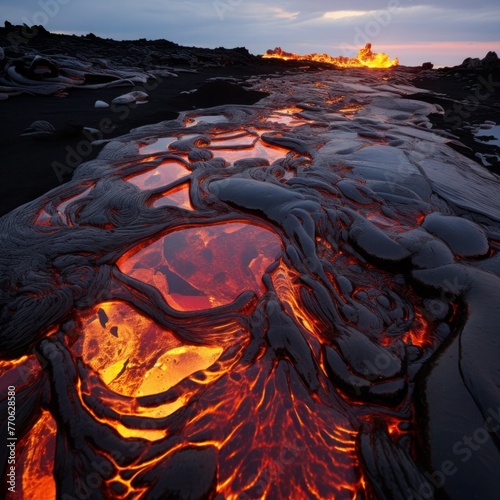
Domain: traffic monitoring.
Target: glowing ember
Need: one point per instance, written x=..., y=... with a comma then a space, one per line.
x=365, y=58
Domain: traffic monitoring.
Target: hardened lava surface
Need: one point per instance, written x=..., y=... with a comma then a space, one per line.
x=295, y=299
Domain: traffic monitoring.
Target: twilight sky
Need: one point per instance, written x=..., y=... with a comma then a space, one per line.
x=444, y=31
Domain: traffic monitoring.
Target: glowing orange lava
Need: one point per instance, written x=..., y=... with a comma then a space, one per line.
x=224, y=332
x=365, y=58
x=418, y=335
x=259, y=418
x=37, y=460
x=186, y=267
x=166, y=173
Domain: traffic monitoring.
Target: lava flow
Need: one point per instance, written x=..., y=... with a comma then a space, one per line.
x=243, y=308
x=364, y=59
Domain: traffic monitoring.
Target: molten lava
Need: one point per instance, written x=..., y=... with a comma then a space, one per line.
x=365, y=58
x=242, y=311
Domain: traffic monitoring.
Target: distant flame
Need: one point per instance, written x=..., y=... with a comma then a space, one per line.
x=365, y=58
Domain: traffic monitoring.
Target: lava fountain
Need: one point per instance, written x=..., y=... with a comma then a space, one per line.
x=249, y=302
x=364, y=59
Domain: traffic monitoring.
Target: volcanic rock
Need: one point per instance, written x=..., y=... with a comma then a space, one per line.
x=101, y=104
x=135, y=96
x=39, y=128
x=491, y=61
x=488, y=63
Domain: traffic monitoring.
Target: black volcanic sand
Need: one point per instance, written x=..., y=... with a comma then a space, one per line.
x=26, y=162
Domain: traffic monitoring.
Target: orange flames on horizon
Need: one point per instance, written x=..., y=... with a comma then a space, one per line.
x=365, y=58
